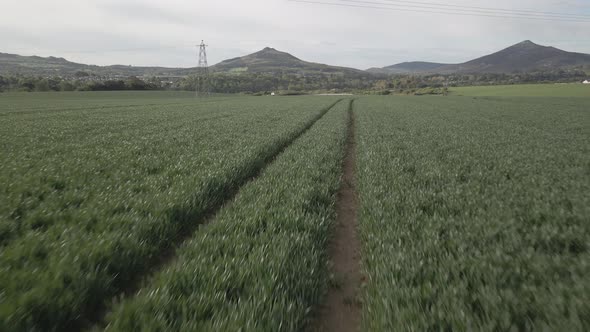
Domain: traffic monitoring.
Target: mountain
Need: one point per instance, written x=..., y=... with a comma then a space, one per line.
x=52, y=66
x=13, y=63
x=267, y=60
x=270, y=60
x=522, y=57
x=526, y=56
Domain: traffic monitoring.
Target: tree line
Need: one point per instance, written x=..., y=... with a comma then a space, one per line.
x=259, y=83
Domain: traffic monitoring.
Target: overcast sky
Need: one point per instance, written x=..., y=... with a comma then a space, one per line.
x=163, y=33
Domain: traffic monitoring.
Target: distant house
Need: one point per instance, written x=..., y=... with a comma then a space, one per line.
x=586, y=82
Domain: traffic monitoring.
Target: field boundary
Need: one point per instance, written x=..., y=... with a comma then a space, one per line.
x=97, y=318
x=340, y=311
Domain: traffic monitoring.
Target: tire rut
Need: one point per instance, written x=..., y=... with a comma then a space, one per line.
x=341, y=309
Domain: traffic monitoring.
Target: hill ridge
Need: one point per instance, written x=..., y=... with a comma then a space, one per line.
x=270, y=60
x=525, y=56
x=266, y=60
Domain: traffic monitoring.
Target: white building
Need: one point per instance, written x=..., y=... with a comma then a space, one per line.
x=586, y=82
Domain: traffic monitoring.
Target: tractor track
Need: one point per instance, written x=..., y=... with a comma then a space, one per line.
x=341, y=309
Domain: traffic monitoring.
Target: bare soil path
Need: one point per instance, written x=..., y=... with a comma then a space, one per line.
x=341, y=310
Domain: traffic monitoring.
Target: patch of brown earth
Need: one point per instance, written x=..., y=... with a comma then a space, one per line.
x=341, y=310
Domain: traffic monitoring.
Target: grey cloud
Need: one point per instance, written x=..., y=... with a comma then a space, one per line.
x=153, y=32
x=145, y=12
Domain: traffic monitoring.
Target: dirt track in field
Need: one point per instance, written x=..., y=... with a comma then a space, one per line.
x=341, y=310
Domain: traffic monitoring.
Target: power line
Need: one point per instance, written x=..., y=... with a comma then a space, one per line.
x=437, y=12
x=482, y=11
x=369, y=4
x=120, y=50
x=469, y=11
x=508, y=11
x=123, y=50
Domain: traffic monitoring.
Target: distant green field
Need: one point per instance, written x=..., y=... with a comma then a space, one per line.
x=525, y=90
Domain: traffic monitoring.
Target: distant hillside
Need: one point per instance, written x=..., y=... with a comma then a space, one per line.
x=525, y=56
x=267, y=60
x=408, y=67
x=17, y=64
x=522, y=57
x=52, y=66
x=270, y=60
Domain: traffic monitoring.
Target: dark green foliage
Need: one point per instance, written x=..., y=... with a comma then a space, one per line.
x=286, y=82
x=42, y=84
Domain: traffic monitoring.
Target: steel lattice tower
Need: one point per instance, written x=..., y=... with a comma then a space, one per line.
x=202, y=88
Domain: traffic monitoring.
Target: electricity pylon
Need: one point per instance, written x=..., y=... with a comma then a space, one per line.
x=202, y=88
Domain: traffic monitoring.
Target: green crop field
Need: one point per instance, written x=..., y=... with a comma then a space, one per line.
x=89, y=196
x=475, y=214
x=524, y=90
x=157, y=211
